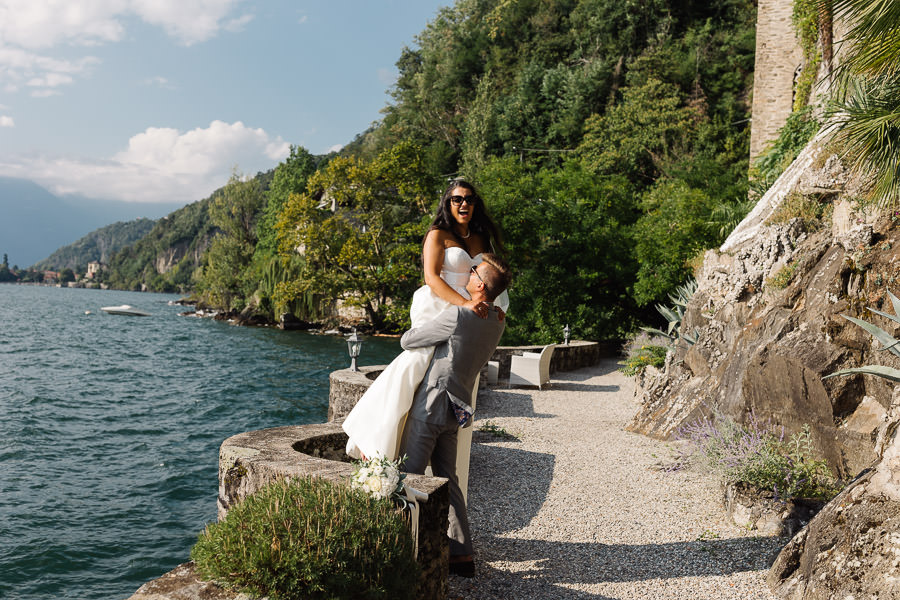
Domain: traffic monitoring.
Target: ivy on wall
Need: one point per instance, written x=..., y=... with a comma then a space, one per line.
x=805, y=21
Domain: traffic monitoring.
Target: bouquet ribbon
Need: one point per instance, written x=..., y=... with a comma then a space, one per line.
x=413, y=497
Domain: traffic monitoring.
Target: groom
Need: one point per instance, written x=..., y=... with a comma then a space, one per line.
x=464, y=343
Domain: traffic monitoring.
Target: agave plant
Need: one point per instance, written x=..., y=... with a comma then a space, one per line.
x=675, y=314
x=888, y=343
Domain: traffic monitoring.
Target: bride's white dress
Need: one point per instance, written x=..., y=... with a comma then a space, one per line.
x=376, y=422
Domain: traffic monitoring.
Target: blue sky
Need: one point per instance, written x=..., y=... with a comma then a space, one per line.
x=158, y=100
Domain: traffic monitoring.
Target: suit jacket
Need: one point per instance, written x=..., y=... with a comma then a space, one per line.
x=464, y=342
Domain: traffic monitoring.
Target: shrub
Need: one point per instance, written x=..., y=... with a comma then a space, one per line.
x=310, y=538
x=810, y=211
x=783, y=277
x=759, y=456
x=643, y=357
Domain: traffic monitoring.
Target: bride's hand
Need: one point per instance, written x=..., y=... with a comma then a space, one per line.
x=500, y=314
x=478, y=307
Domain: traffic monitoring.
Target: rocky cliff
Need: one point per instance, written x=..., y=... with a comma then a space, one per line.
x=770, y=312
x=769, y=316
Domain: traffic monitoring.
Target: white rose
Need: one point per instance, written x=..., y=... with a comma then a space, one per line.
x=374, y=484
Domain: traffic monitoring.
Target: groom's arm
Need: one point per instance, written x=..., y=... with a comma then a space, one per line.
x=434, y=332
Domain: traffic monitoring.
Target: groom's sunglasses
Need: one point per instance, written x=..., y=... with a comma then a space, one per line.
x=474, y=270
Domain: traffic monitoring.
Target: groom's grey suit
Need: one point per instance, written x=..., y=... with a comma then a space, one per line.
x=464, y=342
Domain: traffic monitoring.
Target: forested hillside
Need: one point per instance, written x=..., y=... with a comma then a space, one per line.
x=98, y=245
x=609, y=140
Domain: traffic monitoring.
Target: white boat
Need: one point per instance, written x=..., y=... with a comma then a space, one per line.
x=124, y=309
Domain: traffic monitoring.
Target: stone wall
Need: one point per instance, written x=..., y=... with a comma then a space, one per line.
x=778, y=59
x=576, y=355
x=347, y=386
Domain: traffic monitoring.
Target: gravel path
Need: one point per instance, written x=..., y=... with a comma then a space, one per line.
x=575, y=507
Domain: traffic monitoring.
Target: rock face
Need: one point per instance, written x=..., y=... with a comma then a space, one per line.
x=851, y=549
x=764, y=346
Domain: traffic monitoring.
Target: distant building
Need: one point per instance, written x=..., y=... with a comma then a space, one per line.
x=51, y=276
x=94, y=269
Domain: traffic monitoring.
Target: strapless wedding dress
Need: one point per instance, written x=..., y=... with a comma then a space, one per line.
x=376, y=422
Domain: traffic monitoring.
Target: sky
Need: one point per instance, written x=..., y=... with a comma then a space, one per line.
x=158, y=101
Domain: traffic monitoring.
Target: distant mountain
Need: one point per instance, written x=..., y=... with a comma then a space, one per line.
x=35, y=222
x=98, y=245
x=165, y=259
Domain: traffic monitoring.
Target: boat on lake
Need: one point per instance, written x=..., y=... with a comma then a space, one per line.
x=124, y=309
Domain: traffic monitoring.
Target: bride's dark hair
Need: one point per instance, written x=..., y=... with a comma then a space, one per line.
x=481, y=223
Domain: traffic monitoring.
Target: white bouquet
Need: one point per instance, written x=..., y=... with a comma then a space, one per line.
x=378, y=477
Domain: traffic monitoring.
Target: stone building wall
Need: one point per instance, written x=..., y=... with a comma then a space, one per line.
x=778, y=58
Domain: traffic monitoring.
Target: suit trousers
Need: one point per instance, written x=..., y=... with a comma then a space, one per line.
x=437, y=442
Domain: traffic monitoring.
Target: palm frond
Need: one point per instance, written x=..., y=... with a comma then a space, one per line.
x=868, y=120
x=873, y=38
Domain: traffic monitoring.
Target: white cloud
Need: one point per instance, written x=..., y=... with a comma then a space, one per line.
x=159, y=165
x=7, y=121
x=303, y=19
x=20, y=67
x=46, y=23
x=31, y=30
x=335, y=148
x=236, y=25
x=190, y=21
x=159, y=81
x=45, y=93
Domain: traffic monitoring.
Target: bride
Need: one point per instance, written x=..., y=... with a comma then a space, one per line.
x=460, y=233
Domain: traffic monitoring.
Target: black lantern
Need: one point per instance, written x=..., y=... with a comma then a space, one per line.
x=566, y=332
x=354, y=345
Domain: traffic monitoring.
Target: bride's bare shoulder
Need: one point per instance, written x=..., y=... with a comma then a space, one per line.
x=441, y=238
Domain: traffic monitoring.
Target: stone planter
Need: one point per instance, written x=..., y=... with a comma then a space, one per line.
x=248, y=461
x=761, y=510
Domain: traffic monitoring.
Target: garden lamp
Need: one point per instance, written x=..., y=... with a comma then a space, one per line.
x=566, y=332
x=354, y=345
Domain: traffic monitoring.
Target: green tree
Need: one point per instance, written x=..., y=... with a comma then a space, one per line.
x=358, y=228
x=675, y=226
x=290, y=177
x=566, y=233
x=234, y=213
x=5, y=273
x=66, y=275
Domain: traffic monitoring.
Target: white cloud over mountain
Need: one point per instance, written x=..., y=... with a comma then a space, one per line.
x=159, y=164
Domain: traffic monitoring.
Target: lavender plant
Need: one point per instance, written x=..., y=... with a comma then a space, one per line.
x=758, y=455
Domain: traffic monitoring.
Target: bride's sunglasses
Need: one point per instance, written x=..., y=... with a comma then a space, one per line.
x=458, y=200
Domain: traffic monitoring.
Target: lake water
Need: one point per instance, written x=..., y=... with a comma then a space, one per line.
x=110, y=428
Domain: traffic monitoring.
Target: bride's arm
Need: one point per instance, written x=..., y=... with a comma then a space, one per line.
x=433, y=262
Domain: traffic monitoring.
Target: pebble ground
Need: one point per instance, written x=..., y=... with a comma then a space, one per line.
x=573, y=506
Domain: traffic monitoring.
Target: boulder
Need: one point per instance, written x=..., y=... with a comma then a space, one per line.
x=763, y=511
